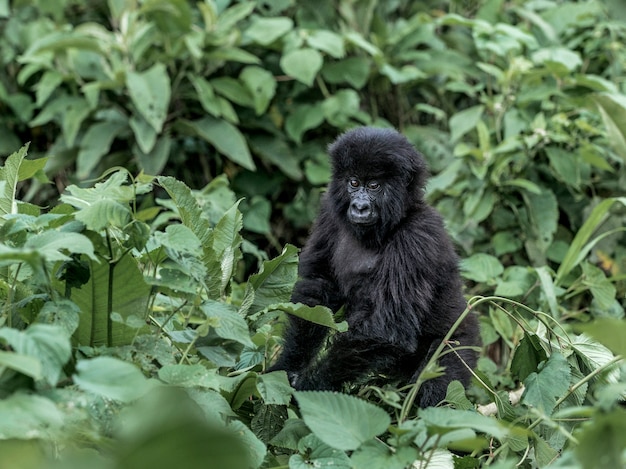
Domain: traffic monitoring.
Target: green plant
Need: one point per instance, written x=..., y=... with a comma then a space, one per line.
x=116, y=302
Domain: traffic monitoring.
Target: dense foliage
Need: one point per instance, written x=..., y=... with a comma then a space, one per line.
x=139, y=312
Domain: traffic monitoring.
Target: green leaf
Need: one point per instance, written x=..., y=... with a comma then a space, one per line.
x=261, y=85
x=264, y=31
x=95, y=144
x=612, y=107
x=528, y=355
x=481, y=267
x=577, y=250
x=326, y=41
x=544, y=216
x=611, y=332
x=274, y=388
x=464, y=121
x=9, y=177
x=28, y=416
x=111, y=378
x=191, y=215
x=144, y=133
x=592, y=355
x=275, y=280
x=303, y=118
x=544, y=387
x=25, y=364
x=226, y=138
x=316, y=314
x=117, y=287
x=276, y=151
x=225, y=241
x=318, y=455
x=405, y=74
x=47, y=343
x=150, y=92
x=50, y=244
x=352, y=70
x=189, y=376
x=341, y=421
x=375, y=453
x=302, y=64
x=602, y=289
x=442, y=420
x=601, y=440
x=229, y=324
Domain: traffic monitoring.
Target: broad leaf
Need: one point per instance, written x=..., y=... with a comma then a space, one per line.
x=119, y=288
x=27, y=416
x=317, y=314
x=274, y=388
x=111, y=378
x=49, y=344
x=9, y=177
x=226, y=138
x=612, y=107
x=302, y=64
x=544, y=387
x=341, y=421
x=275, y=280
x=261, y=85
x=318, y=454
x=150, y=92
x=264, y=31
x=227, y=323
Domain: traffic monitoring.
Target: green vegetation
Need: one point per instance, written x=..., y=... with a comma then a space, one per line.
x=139, y=311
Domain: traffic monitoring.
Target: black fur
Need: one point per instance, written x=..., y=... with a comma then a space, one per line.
x=396, y=273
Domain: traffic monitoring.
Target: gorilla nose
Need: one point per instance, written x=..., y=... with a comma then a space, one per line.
x=360, y=207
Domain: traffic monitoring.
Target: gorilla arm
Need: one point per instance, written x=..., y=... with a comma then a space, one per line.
x=316, y=286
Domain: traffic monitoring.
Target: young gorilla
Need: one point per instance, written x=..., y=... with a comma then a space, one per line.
x=381, y=251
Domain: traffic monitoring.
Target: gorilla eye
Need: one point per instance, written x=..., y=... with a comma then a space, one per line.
x=373, y=185
x=354, y=182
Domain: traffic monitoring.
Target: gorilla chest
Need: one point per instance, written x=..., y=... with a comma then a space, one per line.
x=352, y=263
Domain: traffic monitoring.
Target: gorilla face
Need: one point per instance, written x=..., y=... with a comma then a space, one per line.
x=364, y=201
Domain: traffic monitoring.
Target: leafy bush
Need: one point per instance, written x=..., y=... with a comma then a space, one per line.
x=111, y=311
x=139, y=293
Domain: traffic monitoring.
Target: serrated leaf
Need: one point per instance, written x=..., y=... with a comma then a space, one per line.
x=302, y=64
x=111, y=378
x=593, y=355
x=47, y=343
x=150, y=92
x=274, y=388
x=442, y=420
x=318, y=455
x=275, y=280
x=375, y=453
x=544, y=387
x=528, y=355
x=229, y=324
x=341, y=421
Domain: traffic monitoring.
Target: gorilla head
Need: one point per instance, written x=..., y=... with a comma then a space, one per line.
x=377, y=177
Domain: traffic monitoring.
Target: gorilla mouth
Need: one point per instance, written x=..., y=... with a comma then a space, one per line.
x=362, y=220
